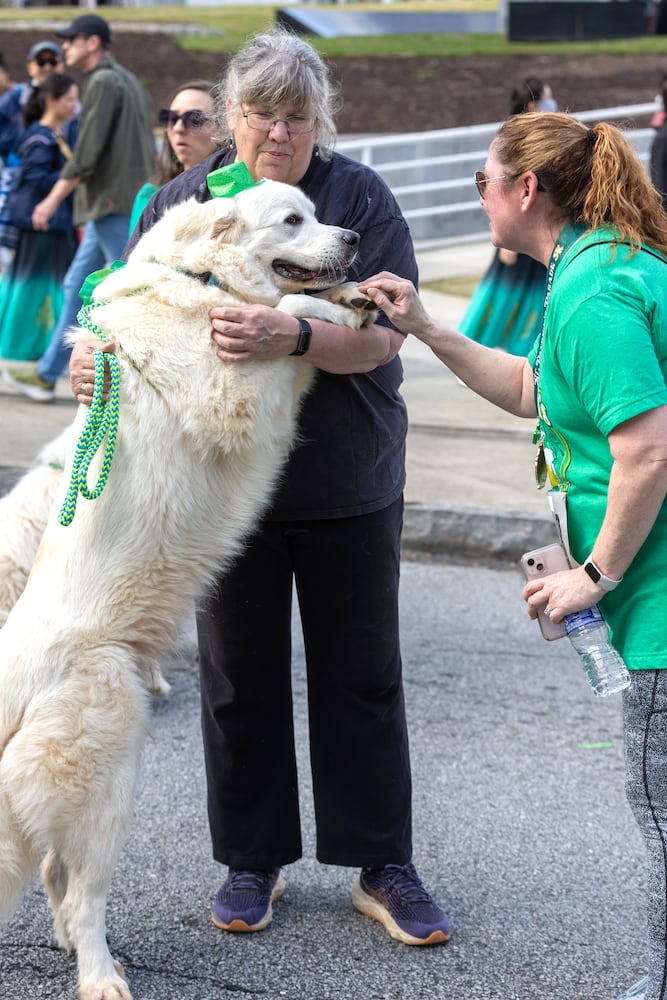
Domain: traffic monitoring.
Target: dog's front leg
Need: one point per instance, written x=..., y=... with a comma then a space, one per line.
x=336, y=305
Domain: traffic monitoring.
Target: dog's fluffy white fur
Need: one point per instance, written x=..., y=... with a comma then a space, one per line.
x=200, y=444
x=23, y=515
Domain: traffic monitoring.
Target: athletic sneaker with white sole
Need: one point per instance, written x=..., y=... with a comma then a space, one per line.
x=395, y=896
x=243, y=902
x=30, y=384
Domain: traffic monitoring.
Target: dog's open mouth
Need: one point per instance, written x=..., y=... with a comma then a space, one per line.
x=332, y=275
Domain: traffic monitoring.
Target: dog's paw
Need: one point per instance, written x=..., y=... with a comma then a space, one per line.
x=348, y=298
x=348, y=295
x=106, y=989
x=343, y=304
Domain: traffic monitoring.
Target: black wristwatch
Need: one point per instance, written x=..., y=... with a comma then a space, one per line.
x=305, y=333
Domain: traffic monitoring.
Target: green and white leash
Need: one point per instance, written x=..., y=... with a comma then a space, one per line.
x=101, y=422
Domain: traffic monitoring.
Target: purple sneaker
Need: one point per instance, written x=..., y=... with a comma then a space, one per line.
x=395, y=896
x=243, y=902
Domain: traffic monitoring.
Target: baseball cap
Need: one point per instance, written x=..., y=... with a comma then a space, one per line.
x=45, y=47
x=88, y=24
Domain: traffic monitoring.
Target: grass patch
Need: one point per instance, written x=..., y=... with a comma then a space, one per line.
x=462, y=285
x=232, y=26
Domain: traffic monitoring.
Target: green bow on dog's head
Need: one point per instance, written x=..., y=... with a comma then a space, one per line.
x=230, y=180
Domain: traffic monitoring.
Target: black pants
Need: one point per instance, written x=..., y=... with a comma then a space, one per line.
x=346, y=573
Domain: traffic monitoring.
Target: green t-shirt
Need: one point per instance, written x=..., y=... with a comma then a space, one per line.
x=141, y=199
x=603, y=361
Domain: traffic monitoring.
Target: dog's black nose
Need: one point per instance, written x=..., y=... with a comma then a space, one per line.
x=350, y=237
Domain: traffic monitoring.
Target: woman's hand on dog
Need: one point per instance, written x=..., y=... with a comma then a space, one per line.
x=251, y=333
x=82, y=369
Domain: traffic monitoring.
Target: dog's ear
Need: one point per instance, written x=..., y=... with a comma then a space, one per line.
x=191, y=220
x=226, y=224
x=185, y=226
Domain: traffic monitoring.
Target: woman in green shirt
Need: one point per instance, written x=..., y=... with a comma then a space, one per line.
x=579, y=200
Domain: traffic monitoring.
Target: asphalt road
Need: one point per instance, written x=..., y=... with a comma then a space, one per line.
x=521, y=831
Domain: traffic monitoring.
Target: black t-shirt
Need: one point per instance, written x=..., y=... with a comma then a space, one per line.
x=350, y=455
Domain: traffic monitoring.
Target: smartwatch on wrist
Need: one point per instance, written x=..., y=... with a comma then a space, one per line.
x=598, y=577
x=305, y=333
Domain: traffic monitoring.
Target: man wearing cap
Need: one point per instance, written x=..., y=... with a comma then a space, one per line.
x=43, y=58
x=113, y=157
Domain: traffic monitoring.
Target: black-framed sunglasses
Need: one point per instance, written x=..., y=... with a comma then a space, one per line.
x=190, y=119
x=43, y=61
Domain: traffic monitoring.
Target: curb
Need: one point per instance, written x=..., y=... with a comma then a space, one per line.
x=474, y=533
x=464, y=533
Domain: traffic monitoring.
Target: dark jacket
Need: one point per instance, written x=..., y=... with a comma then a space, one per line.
x=42, y=160
x=12, y=129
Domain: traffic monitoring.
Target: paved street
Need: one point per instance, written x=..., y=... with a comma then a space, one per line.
x=521, y=830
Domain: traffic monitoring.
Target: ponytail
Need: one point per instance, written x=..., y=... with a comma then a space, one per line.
x=592, y=175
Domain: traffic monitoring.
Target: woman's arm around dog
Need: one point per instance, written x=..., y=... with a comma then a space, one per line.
x=253, y=333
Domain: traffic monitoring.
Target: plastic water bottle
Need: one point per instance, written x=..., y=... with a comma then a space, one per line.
x=604, y=667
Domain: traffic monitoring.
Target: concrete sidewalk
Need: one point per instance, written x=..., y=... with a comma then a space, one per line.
x=470, y=485
x=470, y=490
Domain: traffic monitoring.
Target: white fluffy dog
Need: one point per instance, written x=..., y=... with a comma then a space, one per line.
x=200, y=444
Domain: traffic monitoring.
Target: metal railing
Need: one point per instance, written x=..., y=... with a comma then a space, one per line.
x=431, y=173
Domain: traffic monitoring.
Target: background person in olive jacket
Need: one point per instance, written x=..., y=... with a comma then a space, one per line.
x=114, y=155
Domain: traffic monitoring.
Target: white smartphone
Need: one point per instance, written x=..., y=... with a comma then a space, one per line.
x=537, y=564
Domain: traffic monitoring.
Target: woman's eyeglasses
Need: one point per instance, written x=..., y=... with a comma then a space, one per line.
x=190, y=119
x=264, y=121
x=481, y=180
x=47, y=61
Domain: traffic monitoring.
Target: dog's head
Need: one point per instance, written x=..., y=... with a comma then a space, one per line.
x=263, y=243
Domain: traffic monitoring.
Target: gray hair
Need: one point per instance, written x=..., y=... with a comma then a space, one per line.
x=278, y=66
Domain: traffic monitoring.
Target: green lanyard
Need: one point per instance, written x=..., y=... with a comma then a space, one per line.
x=569, y=235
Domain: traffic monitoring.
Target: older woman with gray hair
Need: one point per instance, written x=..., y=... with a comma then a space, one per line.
x=333, y=529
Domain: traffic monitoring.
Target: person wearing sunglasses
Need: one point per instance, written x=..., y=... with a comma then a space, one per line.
x=579, y=199
x=43, y=58
x=505, y=309
x=189, y=137
x=113, y=156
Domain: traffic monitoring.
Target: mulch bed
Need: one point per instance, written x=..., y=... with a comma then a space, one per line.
x=403, y=94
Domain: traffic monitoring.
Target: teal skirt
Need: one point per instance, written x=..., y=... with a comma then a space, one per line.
x=505, y=310
x=31, y=293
